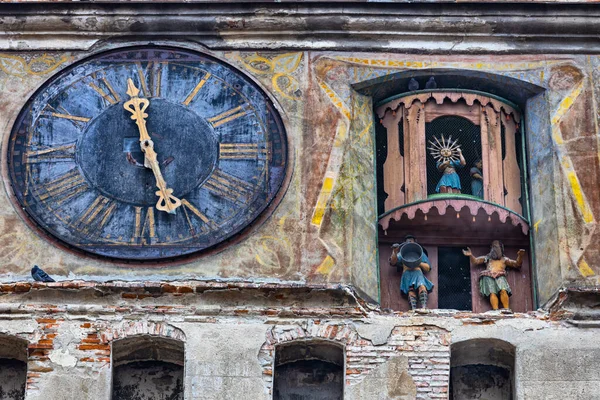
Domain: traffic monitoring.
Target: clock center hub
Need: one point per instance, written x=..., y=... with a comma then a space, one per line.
x=110, y=155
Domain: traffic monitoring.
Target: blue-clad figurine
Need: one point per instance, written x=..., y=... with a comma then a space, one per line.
x=39, y=275
x=450, y=181
x=477, y=179
x=413, y=280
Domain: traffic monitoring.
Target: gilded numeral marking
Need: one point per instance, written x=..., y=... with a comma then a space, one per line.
x=63, y=188
x=150, y=78
x=195, y=91
x=145, y=226
x=111, y=96
x=187, y=206
x=229, y=187
x=96, y=216
x=227, y=116
x=242, y=151
x=55, y=154
x=78, y=121
x=142, y=76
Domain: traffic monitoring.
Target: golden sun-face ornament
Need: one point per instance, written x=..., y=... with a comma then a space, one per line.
x=444, y=150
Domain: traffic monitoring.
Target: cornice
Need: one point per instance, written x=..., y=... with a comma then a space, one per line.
x=423, y=28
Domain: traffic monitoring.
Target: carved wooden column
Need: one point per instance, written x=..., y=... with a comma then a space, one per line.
x=393, y=168
x=415, y=152
x=491, y=152
x=512, y=173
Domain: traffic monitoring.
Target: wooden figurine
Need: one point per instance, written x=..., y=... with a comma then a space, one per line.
x=477, y=179
x=492, y=281
x=448, y=157
x=413, y=280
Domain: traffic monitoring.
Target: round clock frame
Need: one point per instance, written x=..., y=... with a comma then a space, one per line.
x=95, y=170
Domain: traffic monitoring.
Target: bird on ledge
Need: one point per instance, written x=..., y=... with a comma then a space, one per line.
x=39, y=275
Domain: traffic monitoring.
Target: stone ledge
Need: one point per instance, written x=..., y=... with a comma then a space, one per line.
x=465, y=28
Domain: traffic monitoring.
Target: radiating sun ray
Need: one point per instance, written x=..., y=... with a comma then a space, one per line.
x=444, y=149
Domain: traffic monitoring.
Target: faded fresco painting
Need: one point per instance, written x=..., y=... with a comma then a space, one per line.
x=325, y=226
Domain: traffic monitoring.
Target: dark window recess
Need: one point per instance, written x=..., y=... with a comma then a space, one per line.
x=13, y=374
x=147, y=367
x=454, y=279
x=148, y=380
x=469, y=138
x=381, y=155
x=308, y=371
x=480, y=382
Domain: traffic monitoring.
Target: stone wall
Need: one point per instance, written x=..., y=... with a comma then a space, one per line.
x=229, y=349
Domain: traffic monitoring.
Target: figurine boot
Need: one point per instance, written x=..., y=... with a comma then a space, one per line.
x=423, y=299
x=412, y=299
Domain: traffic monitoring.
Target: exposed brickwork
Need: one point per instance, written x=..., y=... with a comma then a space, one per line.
x=38, y=351
x=427, y=348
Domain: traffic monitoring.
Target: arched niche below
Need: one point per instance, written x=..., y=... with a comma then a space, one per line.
x=308, y=370
x=482, y=368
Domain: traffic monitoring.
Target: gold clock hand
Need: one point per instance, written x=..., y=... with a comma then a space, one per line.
x=136, y=106
x=166, y=201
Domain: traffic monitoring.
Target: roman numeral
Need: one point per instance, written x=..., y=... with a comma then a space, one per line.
x=195, y=91
x=96, y=216
x=242, y=151
x=229, y=187
x=63, y=188
x=227, y=116
x=150, y=78
x=78, y=121
x=104, y=89
x=189, y=210
x=51, y=154
x=144, y=230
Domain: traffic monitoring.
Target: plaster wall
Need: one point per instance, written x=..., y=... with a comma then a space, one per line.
x=391, y=356
x=325, y=224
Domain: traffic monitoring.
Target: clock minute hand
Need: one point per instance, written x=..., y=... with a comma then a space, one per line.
x=137, y=107
x=166, y=201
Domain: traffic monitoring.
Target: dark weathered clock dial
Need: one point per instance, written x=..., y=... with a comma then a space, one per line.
x=77, y=169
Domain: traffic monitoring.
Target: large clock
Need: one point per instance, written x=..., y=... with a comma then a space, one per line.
x=147, y=153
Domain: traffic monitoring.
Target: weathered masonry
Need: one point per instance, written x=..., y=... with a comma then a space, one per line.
x=299, y=200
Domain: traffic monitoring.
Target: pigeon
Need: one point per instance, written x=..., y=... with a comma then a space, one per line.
x=39, y=275
x=413, y=85
x=431, y=84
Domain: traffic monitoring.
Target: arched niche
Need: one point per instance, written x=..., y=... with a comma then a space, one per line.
x=407, y=121
x=308, y=370
x=13, y=367
x=148, y=367
x=482, y=368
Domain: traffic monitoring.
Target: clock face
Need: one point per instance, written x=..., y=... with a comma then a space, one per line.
x=81, y=167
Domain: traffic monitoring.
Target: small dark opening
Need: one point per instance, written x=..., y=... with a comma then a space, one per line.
x=147, y=367
x=309, y=371
x=148, y=380
x=13, y=375
x=454, y=279
x=468, y=136
x=480, y=382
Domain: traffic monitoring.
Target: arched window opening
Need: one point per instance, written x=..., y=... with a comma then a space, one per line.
x=13, y=368
x=308, y=371
x=482, y=368
x=451, y=180
x=147, y=367
x=464, y=133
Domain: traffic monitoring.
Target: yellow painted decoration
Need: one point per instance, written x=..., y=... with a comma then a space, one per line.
x=319, y=212
x=280, y=69
x=585, y=269
x=336, y=100
x=579, y=197
x=536, y=225
x=326, y=266
x=37, y=66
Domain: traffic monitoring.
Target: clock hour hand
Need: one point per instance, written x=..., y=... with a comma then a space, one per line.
x=137, y=107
